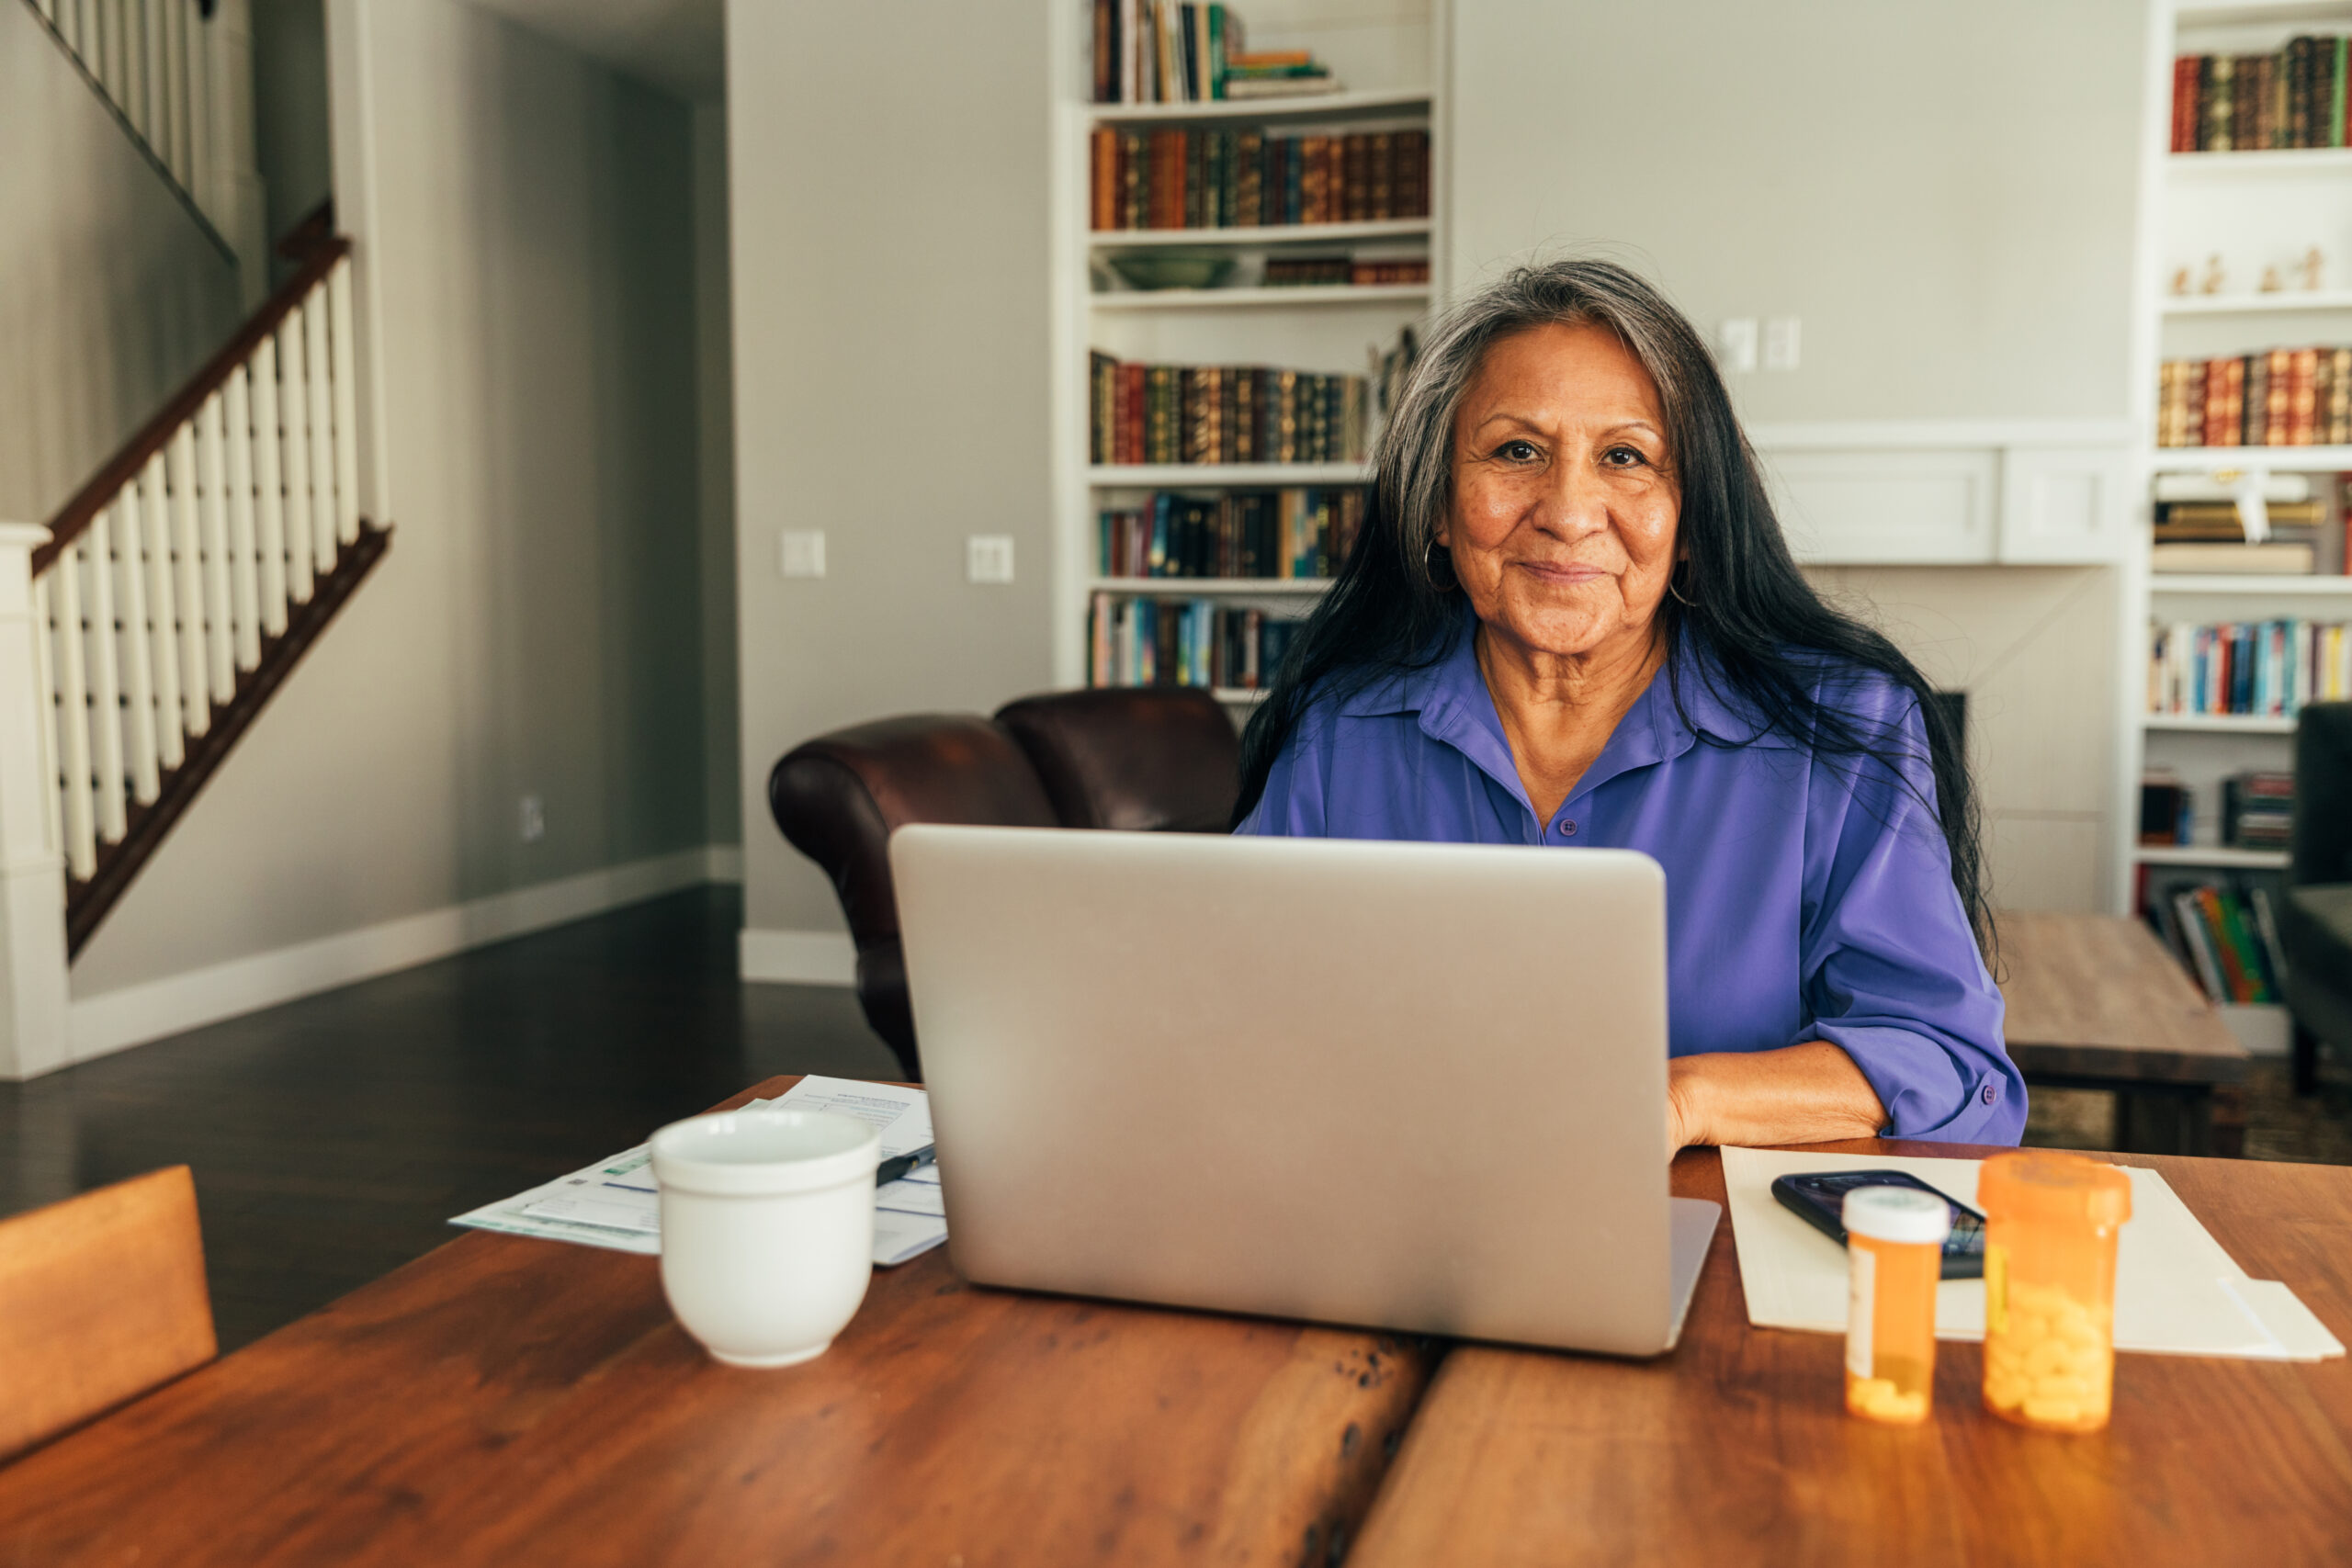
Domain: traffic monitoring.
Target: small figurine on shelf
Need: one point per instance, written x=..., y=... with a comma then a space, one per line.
x=2270, y=283
x=2180, y=284
x=2212, y=282
x=2314, y=265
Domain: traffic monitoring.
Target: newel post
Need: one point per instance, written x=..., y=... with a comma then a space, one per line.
x=32, y=870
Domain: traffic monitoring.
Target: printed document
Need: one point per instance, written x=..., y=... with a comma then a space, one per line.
x=614, y=1203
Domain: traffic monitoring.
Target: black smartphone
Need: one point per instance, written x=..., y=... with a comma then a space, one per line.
x=1819, y=1199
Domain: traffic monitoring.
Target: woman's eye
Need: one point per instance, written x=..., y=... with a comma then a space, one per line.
x=1518, y=451
x=1623, y=457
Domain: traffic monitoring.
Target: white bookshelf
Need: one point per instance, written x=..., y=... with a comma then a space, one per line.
x=2253, y=211
x=1327, y=329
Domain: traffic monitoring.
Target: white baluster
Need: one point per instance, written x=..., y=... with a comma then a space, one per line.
x=293, y=404
x=112, y=60
x=346, y=404
x=175, y=40
x=106, y=680
x=219, y=631
x=45, y=678
x=85, y=37
x=321, y=421
x=49, y=12
x=32, y=893
x=155, y=556
x=188, y=588
x=135, y=650
x=245, y=591
x=198, y=84
x=153, y=68
x=74, y=710
x=269, y=496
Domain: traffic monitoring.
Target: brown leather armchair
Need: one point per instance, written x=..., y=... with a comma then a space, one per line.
x=1144, y=759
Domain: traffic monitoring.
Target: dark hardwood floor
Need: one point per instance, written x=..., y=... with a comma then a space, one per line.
x=332, y=1138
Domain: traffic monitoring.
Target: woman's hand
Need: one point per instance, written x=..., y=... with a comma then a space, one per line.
x=1801, y=1094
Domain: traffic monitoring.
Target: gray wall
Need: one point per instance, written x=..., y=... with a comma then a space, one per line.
x=715, y=414
x=111, y=292
x=890, y=235
x=1944, y=193
x=528, y=247
x=292, y=145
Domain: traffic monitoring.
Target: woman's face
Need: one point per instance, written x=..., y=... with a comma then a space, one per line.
x=1562, y=529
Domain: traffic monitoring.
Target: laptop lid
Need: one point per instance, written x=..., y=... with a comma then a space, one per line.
x=1418, y=1087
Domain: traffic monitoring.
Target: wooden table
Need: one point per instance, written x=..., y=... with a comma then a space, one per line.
x=2096, y=1002
x=1736, y=1449
x=508, y=1401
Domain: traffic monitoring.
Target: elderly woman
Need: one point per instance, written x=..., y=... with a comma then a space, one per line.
x=1570, y=620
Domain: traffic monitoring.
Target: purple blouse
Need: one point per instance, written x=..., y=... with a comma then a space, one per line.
x=1807, y=898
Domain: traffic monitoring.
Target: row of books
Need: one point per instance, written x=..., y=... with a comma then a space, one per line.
x=2259, y=668
x=2228, y=938
x=2247, y=103
x=2210, y=537
x=1174, y=178
x=1170, y=51
x=1356, y=272
x=1271, y=533
x=2279, y=397
x=1224, y=413
x=1196, y=642
x=2257, y=810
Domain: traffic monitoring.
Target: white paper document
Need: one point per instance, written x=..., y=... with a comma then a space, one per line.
x=614, y=1203
x=2176, y=1292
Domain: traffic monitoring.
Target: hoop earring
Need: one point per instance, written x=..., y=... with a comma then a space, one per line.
x=1686, y=603
x=1430, y=559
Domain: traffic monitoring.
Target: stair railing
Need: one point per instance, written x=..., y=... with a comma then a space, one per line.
x=162, y=64
x=175, y=589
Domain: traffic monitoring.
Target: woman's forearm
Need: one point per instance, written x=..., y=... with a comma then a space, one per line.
x=1801, y=1094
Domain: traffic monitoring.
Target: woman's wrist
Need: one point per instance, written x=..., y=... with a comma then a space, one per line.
x=1686, y=1082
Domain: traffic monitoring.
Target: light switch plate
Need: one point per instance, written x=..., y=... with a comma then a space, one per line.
x=803, y=552
x=1735, y=344
x=988, y=558
x=1781, y=344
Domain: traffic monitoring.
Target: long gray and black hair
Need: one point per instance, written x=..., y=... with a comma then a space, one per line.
x=1787, y=657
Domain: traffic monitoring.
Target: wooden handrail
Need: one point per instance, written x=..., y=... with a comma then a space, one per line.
x=156, y=434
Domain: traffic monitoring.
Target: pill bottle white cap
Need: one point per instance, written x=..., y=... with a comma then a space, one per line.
x=1896, y=1213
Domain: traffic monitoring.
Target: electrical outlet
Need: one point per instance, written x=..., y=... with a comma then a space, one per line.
x=988, y=558
x=803, y=552
x=534, y=820
x=1781, y=344
x=1735, y=344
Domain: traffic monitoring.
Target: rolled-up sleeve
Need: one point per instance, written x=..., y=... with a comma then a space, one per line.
x=1890, y=967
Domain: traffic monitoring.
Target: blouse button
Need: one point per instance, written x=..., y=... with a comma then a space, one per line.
x=1568, y=829
x=1991, y=1094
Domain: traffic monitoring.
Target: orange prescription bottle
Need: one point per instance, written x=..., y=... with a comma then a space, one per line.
x=1894, y=1247
x=2050, y=1227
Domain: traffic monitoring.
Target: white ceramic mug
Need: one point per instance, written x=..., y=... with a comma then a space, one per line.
x=767, y=1229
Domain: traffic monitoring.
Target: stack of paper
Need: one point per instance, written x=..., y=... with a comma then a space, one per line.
x=614, y=1203
x=2176, y=1292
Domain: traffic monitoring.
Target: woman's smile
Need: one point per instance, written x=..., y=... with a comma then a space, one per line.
x=1566, y=573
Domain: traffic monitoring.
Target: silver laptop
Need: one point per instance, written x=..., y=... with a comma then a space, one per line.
x=1414, y=1087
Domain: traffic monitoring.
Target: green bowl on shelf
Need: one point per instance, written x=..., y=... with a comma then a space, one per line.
x=1154, y=272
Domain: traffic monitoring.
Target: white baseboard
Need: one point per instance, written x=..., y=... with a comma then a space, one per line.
x=799, y=958
x=134, y=1015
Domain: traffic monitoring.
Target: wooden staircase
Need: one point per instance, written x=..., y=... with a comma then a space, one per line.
x=181, y=586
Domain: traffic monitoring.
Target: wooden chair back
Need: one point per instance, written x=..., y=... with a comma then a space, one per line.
x=102, y=1297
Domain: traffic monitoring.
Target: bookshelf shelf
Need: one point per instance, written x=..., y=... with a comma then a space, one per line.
x=2218, y=723
x=2251, y=586
x=2227, y=165
x=1276, y=234
x=1241, y=696
x=2238, y=459
x=1378, y=103
x=1200, y=587
x=2211, y=854
x=1224, y=476
x=2258, y=304
x=1252, y=298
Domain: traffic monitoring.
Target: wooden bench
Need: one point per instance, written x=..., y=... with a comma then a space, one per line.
x=2096, y=1002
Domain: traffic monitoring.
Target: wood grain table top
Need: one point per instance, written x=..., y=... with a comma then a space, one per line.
x=1735, y=1448
x=505, y=1400
x=2097, y=995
